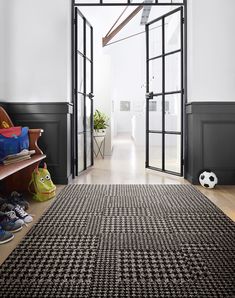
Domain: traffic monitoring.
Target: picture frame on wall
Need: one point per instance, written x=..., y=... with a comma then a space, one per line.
x=125, y=106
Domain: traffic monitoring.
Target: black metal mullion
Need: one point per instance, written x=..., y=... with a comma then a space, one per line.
x=92, y=91
x=163, y=94
x=84, y=91
x=167, y=93
x=182, y=93
x=147, y=100
x=165, y=171
x=166, y=54
x=167, y=14
x=130, y=4
x=74, y=138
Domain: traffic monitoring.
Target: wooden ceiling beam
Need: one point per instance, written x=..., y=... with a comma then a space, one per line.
x=111, y=35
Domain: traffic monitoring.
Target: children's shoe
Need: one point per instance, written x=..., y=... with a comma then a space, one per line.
x=18, y=199
x=12, y=215
x=22, y=214
x=8, y=224
x=5, y=236
x=8, y=209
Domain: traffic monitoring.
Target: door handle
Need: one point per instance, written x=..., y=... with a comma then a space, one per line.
x=91, y=95
x=149, y=95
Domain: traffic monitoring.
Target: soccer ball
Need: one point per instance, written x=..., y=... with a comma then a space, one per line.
x=208, y=179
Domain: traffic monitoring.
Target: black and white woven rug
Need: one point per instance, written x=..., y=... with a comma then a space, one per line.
x=137, y=241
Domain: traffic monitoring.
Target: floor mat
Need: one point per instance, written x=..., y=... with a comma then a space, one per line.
x=132, y=241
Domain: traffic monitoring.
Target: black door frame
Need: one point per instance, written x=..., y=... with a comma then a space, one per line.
x=75, y=4
x=84, y=93
x=150, y=95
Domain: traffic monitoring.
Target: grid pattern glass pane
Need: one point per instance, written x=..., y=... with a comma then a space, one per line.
x=80, y=152
x=88, y=41
x=172, y=153
x=80, y=34
x=173, y=113
x=88, y=114
x=155, y=75
x=155, y=150
x=80, y=109
x=155, y=113
x=88, y=76
x=173, y=72
x=155, y=39
x=172, y=32
x=80, y=74
x=88, y=153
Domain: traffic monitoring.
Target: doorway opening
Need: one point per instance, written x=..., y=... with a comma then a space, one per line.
x=155, y=116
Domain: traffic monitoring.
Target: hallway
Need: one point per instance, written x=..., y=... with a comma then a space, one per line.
x=125, y=166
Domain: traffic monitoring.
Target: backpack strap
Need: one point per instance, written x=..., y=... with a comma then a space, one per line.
x=29, y=187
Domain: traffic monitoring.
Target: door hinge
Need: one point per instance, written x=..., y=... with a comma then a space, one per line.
x=183, y=20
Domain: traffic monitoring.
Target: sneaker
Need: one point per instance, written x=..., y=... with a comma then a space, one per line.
x=5, y=236
x=12, y=215
x=8, y=224
x=8, y=209
x=22, y=214
x=18, y=199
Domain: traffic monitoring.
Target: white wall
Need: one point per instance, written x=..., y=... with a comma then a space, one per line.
x=36, y=46
x=2, y=48
x=211, y=49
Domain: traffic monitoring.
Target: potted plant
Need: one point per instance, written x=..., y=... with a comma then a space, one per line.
x=100, y=123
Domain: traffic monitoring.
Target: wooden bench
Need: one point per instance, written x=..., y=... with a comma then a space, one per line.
x=17, y=176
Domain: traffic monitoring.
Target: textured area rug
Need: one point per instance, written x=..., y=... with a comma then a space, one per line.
x=125, y=241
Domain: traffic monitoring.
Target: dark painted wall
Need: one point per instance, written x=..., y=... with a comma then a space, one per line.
x=55, y=142
x=211, y=140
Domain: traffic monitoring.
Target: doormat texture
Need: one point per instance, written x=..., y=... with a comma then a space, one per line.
x=125, y=241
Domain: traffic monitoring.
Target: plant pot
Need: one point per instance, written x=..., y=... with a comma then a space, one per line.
x=99, y=132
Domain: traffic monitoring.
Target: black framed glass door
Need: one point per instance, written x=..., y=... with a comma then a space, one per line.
x=83, y=89
x=165, y=93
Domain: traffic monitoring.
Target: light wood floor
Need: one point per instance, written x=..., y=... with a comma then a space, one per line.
x=126, y=166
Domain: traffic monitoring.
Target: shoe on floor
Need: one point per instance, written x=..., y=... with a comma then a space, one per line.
x=5, y=236
x=18, y=199
x=8, y=224
x=8, y=209
x=12, y=215
x=22, y=214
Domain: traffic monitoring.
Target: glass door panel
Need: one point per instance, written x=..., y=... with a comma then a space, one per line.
x=155, y=150
x=155, y=113
x=164, y=93
x=80, y=157
x=173, y=113
x=173, y=32
x=155, y=39
x=173, y=72
x=155, y=75
x=173, y=153
x=83, y=91
x=80, y=108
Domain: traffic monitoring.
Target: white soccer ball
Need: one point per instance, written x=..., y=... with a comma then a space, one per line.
x=208, y=179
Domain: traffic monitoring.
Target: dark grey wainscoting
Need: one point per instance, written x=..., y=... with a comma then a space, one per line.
x=55, y=119
x=211, y=140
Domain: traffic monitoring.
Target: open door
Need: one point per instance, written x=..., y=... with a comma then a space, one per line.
x=83, y=88
x=165, y=93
